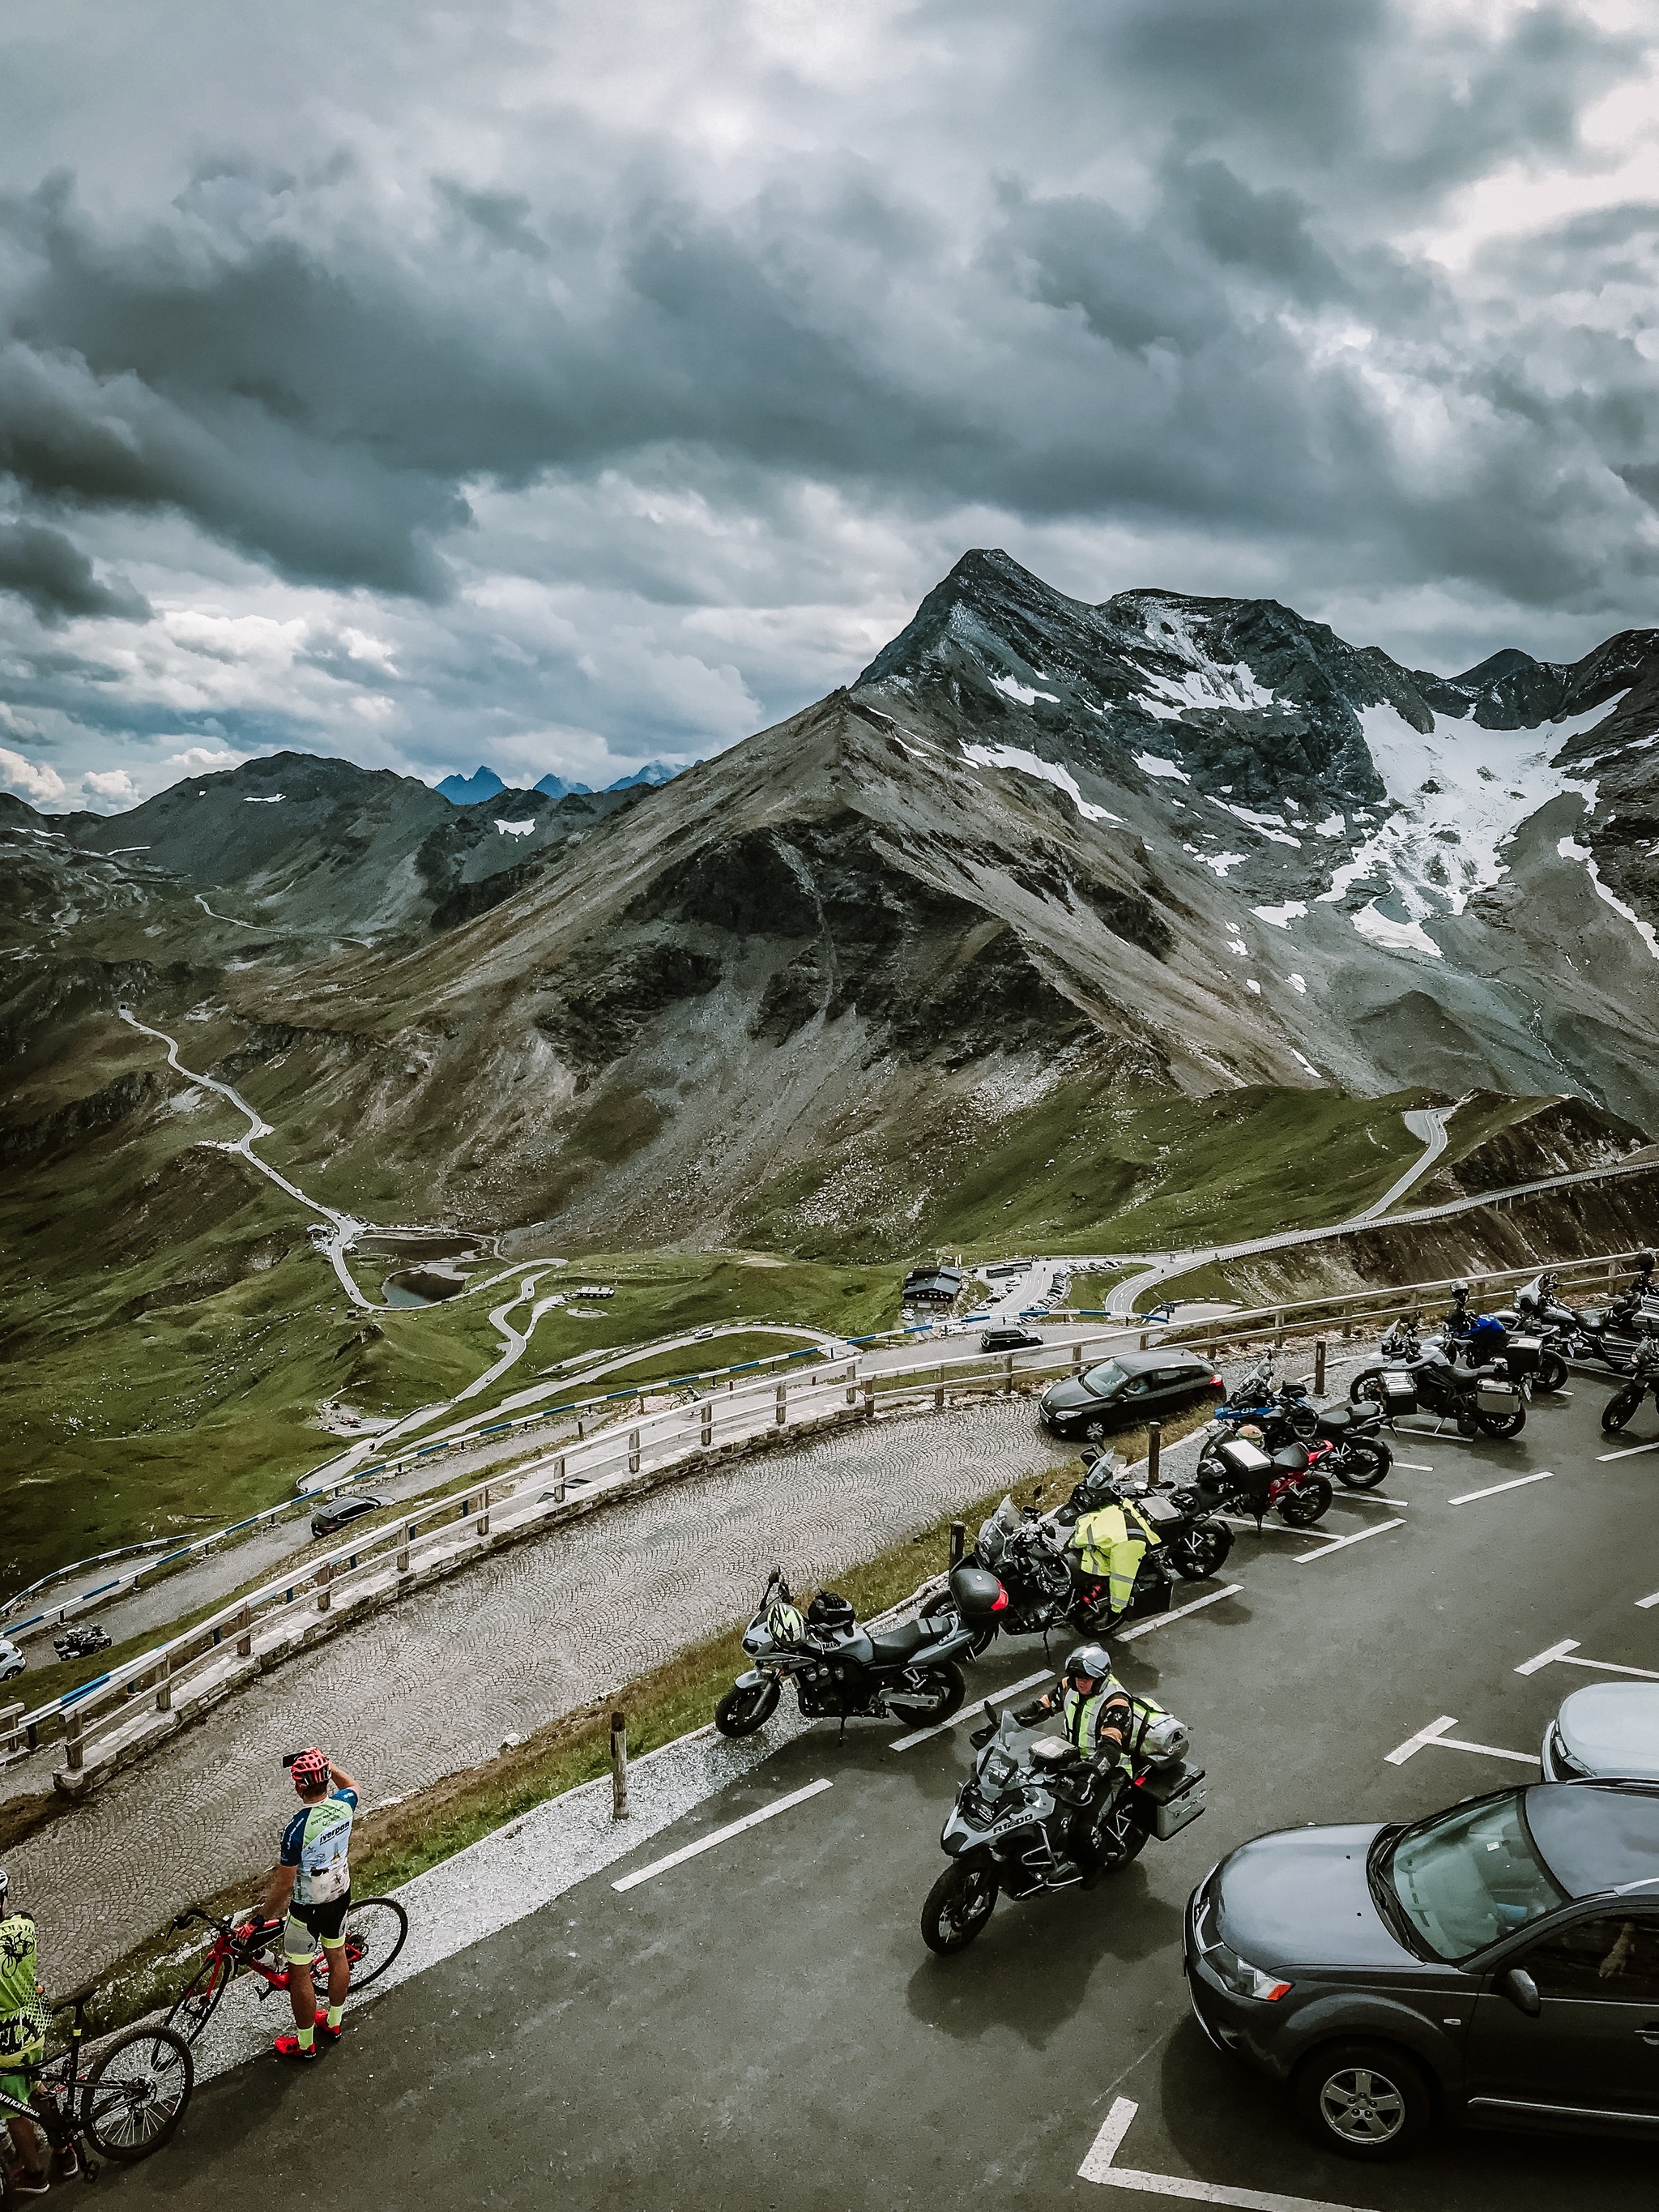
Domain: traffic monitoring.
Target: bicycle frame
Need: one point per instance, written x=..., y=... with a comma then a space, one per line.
x=57, y=2078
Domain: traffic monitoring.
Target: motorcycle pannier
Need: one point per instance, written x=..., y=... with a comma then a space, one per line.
x=1398, y=1390
x=1523, y=1353
x=1496, y=1397
x=1176, y=1798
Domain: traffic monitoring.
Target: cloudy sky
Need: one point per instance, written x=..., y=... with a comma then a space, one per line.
x=567, y=387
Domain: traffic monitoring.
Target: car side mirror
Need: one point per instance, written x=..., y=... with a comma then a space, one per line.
x=1519, y=1987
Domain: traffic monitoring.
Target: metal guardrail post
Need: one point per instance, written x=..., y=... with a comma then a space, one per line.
x=781, y=1416
x=1008, y=1375
x=707, y=1414
x=164, y=1686
x=245, y=1632
x=75, y=1752
x=483, y=1517
x=1154, y=1448
x=558, y=1480
x=959, y=1541
x=619, y=1766
x=869, y=1398
x=1278, y=1327
x=633, y=1451
x=325, y=1576
x=939, y=1397
x=1077, y=1355
x=1319, y=1367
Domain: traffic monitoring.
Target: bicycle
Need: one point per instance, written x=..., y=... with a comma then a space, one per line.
x=374, y=1930
x=124, y=2104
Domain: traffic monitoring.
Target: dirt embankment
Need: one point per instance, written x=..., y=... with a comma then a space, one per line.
x=1559, y=1136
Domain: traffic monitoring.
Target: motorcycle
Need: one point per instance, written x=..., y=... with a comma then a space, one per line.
x=1625, y=1402
x=1513, y=1341
x=1481, y=1400
x=1236, y=1476
x=80, y=1643
x=1610, y=1333
x=1340, y=1440
x=1013, y=1817
x=840, y=1672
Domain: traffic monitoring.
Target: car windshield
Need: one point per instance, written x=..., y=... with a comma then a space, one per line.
x=1465, y=1877
x=1105, y=1378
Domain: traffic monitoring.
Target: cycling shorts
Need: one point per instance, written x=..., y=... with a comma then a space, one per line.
x=309, y=1925
x=17, y=2085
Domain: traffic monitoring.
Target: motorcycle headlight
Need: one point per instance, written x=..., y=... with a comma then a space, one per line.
x=1243, y=1979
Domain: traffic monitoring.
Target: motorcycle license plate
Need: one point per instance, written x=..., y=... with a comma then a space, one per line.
x=1180, y=1811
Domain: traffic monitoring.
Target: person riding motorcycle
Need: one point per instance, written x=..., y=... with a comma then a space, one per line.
x=1457, y=1321
x=1107, y=1547
x=1098, y=1714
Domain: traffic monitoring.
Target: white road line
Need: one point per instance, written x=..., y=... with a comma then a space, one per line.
x=1435, y=1735
x=1413, y=1467
x=1645, y=1602
x=1273, y=1527
x=1164, y=1620
x=1098, y=2166
x=1629, y=1452
x=1561, y=1654
x=1544, y=1474
x=1336, y=1543
x=968, y=1712
x=721, y=1836
x=1373, y=1497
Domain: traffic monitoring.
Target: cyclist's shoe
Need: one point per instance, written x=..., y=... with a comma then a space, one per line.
x=289, y=2046
x=25, y=2184
x=68, y=2165
x=324, y=2032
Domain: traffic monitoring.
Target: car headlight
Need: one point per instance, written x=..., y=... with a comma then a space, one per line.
x=1564, y=1761
x=1243, y=1979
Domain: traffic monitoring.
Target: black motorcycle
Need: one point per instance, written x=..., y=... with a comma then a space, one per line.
x=1014, y=1819
x=80, y=1643
x=1236, y=1475
x=1609, y=1333
x=1643, y=1381
x=1027, y=1551
x=1481, y=1400
x=906, y=1674
x=1340, y=1440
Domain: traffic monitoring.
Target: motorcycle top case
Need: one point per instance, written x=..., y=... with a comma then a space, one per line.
x=1176, y=1798
x=1246, y=1461
x=978, y=1592
x=1523, y=1353
x=1398, y=1390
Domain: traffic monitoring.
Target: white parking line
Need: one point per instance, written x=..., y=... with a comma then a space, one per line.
x=1413, y=1467
x=1164, y=1620
x=1629, y=1452
x=721, y=1836
x=1273, y=1527
x=1098, y=2166
x=1435, y=1735
x=1336, y=1543
x=1645, y=1602
x=1560, y=1654
x=1545, y=1474
x=968, y=1712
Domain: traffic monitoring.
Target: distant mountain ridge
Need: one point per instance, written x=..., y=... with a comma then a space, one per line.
x=484, y=783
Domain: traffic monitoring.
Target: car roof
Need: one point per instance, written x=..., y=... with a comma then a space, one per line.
x=1142, y=1363
x=1596, y=1835
x=1613, y=1727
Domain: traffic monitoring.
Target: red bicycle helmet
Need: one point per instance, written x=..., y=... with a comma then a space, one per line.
x=309, y=1768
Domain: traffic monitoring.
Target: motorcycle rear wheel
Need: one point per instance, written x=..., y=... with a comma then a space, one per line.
x=1616, y=1414
x=1199, y=1552
x=1307, y=1500
x=958, y=1906
x=1551, y=1375
x=918, y=1710
x=1366, y=1388
x=1364, y=1464
x=1503, y=1424
x=742, y=1711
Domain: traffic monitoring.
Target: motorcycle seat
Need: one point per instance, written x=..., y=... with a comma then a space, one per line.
x=900, y=1642
x=1290, y=1459
x=1336, y=1420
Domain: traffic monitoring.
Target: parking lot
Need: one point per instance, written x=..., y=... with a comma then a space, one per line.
x=759, y=2026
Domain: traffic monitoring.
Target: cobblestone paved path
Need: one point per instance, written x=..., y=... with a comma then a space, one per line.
x=436, y=1682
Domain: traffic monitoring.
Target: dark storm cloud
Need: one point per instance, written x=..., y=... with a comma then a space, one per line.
x=55, y=576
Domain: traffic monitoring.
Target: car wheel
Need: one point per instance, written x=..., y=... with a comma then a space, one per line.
x=1367, y=2100
x=1094, y=1432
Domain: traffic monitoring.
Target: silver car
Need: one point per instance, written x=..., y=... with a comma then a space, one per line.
x=1605, y=1727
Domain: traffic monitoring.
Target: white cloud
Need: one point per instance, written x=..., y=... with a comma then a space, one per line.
x=112, y=784
x=198, y=760
x=30, y=779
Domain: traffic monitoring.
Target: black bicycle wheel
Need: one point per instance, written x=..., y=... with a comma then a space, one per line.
x=199, y=2003
x=376, y=1930
x=134, y=2094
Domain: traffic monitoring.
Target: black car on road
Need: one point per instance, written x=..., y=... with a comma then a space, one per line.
x=340, y=1512
x=1497, y=1963
x=1130, y=1386
x=1007, y=1338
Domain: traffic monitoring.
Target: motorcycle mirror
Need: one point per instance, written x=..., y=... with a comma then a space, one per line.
x=1519, y=1987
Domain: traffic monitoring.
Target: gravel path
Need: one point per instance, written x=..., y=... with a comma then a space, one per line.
x=436, y=1682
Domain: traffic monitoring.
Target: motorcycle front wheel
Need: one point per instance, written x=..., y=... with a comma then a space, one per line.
x=936, y=1698
x=1552, y=1374
x=1366, y=1388
x=1199, y=1553
x=1306, y=1501
x=742, y=1711
x=958, y=1906
x=1503, y=1424
x=1362, y=1466
x=1617, y=1410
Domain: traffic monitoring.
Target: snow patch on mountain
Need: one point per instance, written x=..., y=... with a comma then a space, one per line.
x=1202, y=681
x=1154, y=764
x=1281, y=916
x=1033, y=764
x=516, y=829
x=1011, y=686
x=1569, y=848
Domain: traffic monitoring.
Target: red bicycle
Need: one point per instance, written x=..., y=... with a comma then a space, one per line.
x=374, y=1930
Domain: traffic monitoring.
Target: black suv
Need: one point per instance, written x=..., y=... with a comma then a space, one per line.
x=1008, y=1338
x=1497, y=1962
x=1131, y=1387
x=340, y=1512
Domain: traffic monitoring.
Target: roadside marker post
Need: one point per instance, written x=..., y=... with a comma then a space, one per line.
x=1319, y=1367
x=959, y=1541
x=619, y=1766
x=1154, y=1448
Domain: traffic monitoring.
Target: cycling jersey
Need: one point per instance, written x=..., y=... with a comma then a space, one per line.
x=22, y=2017
x=316, y=1843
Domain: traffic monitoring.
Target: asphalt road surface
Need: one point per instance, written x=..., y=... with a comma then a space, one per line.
x=760, y=2027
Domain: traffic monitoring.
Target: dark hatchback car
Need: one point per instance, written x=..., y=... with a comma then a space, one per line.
x=1007, y=1338
x=340, y=1512
x=1131, y=1387
x=1497, y=1963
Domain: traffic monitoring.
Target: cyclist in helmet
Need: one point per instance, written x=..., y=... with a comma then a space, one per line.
x=22, y=2041
x=312, y=1883
x=1098, y=1714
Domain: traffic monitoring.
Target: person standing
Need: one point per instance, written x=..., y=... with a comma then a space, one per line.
x=22, y=2042
x=312, y=1883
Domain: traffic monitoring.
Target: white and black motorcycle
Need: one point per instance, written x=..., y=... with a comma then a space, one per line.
x=908, y=1673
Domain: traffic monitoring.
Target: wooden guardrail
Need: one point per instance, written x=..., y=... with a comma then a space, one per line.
x=183, y=1673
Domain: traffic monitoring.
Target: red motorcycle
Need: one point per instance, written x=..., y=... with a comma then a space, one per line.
x=1235, y=1475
